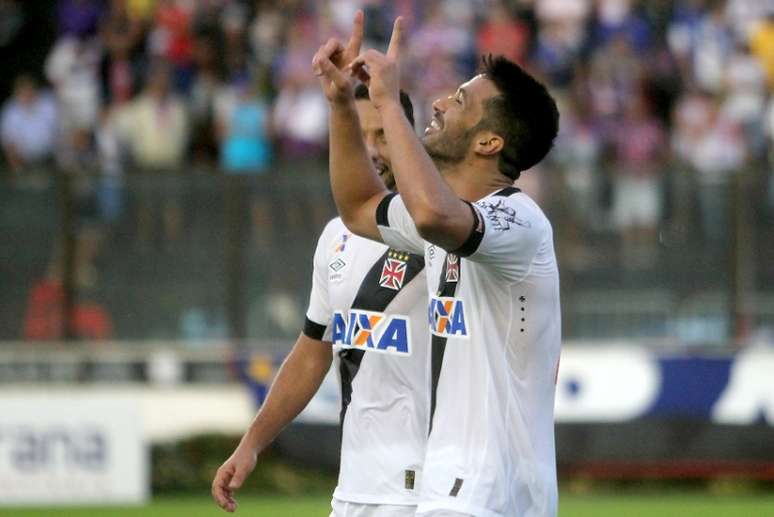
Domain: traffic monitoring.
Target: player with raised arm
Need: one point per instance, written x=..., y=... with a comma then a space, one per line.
x=369, y=301
x=493, y=281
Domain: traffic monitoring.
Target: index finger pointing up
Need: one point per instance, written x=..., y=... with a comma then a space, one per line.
x=353, y=46
x=395, y=40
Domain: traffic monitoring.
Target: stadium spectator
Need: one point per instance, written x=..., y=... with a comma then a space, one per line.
x=565, y=17
x=683, y=32
x=762, y=45
x=243, y=128
x=745, y=94
x=690, y=118
x=615, y=76
x=436, y=51
x=619, y=19
x=207, y=82
x=300, y=110
x=718, y=153
x=556, y=53
x=638, y=152
x=172, y=38
x=121, y=64
x=266, y=33
x=28, y=125
x=79, y=18
x=713, y=47
x=155, y=124
x=154, y=128
x=73, y=69
x=45, y=319
x=502, y=34
x=578, y=153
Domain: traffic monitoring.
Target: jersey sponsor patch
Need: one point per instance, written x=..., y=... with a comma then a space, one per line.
x=452, y=268
x=373, y=331
x=394, y=270
x=446, y=317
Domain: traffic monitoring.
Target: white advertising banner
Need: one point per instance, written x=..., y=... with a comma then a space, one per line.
x=71, y=449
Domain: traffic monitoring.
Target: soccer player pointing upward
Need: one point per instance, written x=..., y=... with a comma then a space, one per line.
x=492, y=276
x=367, y=313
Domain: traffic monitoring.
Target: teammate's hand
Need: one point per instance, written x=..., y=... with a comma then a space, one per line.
x=330, y=60
x=231, y=475
x=380, y=71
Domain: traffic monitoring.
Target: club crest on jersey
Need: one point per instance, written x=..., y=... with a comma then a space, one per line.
x=373, y=331
x=452, y=268
x=446, y=317
x=394, y=270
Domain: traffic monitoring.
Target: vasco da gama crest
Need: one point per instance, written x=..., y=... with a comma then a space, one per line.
x=394, y=270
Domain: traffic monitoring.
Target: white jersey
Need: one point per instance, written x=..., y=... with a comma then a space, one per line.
x=370, y=301
x=496, y=330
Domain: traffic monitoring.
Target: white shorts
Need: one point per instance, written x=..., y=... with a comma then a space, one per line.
x=443, y=513
x=348, y=509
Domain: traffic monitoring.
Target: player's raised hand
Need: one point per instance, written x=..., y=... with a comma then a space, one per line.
x=379, y=71
x=352, y=50
x=230, y=476
x=332, y=57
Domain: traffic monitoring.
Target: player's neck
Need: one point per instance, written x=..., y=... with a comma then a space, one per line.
x=472, y=181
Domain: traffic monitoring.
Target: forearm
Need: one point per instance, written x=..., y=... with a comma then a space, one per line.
x=433, y=205
x=354, y=180
x=297, y=381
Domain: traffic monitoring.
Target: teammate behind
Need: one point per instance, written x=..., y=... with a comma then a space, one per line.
x=370, y=302
x=492, y=275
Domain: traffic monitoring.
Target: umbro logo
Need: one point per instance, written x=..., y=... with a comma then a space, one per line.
x=337, y=265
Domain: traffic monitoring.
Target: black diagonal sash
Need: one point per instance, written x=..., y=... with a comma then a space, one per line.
x=371, y=297
x=438, y=343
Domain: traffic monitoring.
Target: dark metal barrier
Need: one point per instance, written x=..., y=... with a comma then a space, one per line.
x=202, y=256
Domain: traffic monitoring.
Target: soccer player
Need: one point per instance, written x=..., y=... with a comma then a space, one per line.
x=493, y=282
x=369, y=301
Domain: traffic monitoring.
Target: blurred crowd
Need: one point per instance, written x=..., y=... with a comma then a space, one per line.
x=664, y=104
x=665, y=107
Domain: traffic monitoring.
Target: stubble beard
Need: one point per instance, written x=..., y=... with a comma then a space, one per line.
x=444, y=150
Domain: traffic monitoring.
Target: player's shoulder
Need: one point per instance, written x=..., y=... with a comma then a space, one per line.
x=511, y=207
x=335, y=225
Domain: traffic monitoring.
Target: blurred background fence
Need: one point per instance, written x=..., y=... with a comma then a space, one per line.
x=202, y=257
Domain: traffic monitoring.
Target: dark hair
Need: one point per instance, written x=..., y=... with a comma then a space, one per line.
x=361, y=93
x=524, y=114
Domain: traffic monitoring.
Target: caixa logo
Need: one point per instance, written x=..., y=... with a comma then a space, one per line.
x=374, y=331
x=446, y=317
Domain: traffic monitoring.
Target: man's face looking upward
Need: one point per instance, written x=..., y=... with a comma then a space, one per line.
x=449, y=135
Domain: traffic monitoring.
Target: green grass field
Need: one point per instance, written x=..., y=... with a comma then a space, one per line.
x=689, y=504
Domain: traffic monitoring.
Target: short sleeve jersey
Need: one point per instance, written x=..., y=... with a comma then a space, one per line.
x=495, y=321
x=369, y=301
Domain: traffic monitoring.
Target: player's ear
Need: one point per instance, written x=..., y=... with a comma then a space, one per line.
x=488, y=143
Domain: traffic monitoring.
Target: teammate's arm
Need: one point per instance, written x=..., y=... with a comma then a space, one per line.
x=357, y=188
x=297, y=381
x=439, y=215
